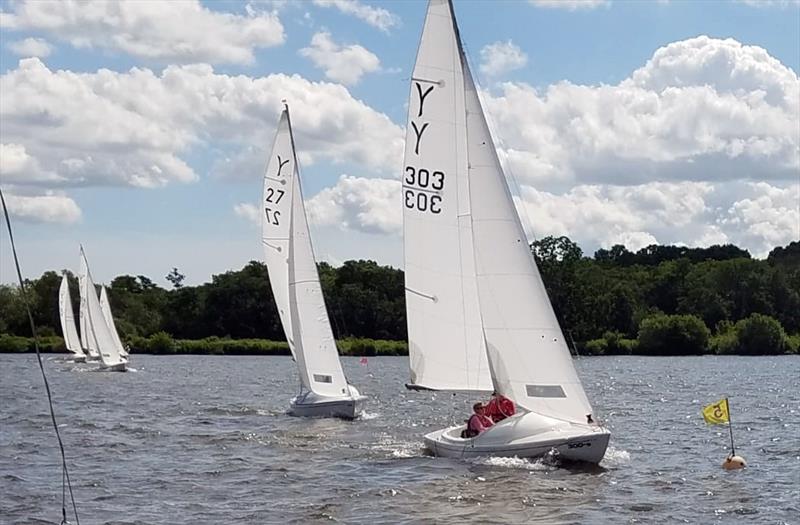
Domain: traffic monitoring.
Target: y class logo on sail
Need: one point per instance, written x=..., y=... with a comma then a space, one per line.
x=422, y=186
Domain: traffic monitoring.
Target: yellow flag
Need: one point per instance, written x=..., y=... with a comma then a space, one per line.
x=716, y=413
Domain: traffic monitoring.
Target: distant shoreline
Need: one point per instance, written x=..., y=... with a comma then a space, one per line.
x=162, y=344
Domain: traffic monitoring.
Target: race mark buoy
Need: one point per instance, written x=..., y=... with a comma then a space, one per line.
x=734, y=463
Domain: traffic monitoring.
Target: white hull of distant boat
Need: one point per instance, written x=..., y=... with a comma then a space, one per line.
x=119, y=367
x=525, y=436
x=310, y=404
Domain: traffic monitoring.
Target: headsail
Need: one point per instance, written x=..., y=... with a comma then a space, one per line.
x=105, y=306
x=314, y=345
x=88, y=342
x=275, y=212
x=446, y=345
x=529, y=357
x=67, y=315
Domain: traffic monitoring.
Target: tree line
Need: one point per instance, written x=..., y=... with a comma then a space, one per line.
x=615, y=301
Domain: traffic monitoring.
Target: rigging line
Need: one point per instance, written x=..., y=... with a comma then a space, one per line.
x=65, y=471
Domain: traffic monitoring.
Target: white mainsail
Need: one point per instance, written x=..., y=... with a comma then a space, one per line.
x=105, y=307
x=285, y=226
x=67, y=315
x=98, y=330
x=88, y=342
x=465, y=233
x=446, y=344
x=276, y=209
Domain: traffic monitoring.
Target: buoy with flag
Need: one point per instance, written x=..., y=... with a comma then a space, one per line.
x=717, y=414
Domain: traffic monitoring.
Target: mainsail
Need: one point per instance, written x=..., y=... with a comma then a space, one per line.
x=105, y=306
x=473, y=232
x=67, y=315
x=276, y=210
x=446, y=344
x=88, y=342
x=309, y=328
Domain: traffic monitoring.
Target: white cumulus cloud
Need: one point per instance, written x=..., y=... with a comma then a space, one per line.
x=341, y=63
x=31, y=47
x=375, y=16
x=248, y=212
x=361, y=204
x=701, y=109
x=501, y=57
x=166, y=31
x=49, y=208
x=134, y=128
x=570, y=5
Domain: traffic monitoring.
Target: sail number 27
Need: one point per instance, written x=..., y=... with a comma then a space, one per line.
x=421, y=188
x=273, y=197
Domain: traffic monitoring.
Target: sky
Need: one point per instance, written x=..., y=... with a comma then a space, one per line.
x=141, y=129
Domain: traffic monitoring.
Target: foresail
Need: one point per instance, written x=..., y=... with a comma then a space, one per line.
x=275, y=212
x=314, y=345
x=67, y=316
x=530, y=360
x=88, y=342
x=105, y=306
x=446, y=346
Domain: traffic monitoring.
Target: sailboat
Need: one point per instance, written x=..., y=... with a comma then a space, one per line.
x=105, y=307
x=68, y=328
x=324, y=390
x=95, y=331
x=479, y=318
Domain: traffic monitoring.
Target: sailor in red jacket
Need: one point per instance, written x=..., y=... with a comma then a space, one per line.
x=499, y=407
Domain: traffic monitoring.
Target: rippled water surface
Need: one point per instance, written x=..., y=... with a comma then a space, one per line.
x=202, y=439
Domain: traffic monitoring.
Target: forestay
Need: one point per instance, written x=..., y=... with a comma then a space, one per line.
x=446, y=345
x=67, y=315
x=105, y=307
x=88, y=342
x=314, y=345
x=275, y=213
x=530, y=360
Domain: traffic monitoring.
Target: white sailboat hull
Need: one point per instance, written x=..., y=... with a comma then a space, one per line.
x=78, y=358
x=119, y=367
x=310, y=404
x=527, y=435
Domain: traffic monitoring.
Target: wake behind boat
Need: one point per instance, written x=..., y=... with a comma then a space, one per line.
x=295, y=284
x=479, y=318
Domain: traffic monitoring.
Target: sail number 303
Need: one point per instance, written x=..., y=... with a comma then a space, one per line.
x=423, y=196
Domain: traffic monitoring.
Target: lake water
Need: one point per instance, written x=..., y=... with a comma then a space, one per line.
x=203, y=439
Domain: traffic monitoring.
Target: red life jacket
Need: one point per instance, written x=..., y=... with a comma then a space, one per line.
x=478, y=423
x=499, y=408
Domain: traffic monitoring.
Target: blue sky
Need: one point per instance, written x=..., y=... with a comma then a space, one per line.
x=157, y=161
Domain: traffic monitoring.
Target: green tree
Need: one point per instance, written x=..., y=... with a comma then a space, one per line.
x=673, y=335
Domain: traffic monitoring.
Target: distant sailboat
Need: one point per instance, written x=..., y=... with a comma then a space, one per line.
x=105, y=306
x=479, y=318
x=98, y=332
x=68, y=328
x=88, y=343
x=295, y=285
